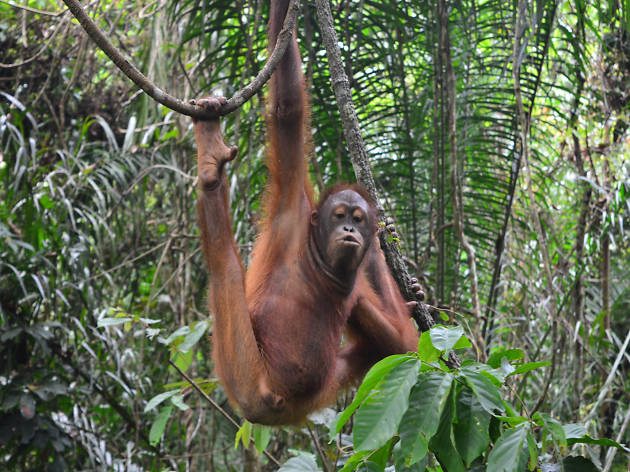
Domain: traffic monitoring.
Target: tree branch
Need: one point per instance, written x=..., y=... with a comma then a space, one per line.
x=163, y=97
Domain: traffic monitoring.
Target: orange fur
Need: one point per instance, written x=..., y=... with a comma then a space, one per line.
x=278, y=328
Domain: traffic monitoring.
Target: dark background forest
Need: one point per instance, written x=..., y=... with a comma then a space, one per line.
x=499, y=140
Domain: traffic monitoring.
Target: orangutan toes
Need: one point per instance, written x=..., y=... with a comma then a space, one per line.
x=209, y=103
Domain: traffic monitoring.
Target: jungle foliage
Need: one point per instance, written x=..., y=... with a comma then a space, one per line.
x=498, y=135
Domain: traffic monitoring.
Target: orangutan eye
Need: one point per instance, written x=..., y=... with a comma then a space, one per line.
x=339, y=215
x=357, y=216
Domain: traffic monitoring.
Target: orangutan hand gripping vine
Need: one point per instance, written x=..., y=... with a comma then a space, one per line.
x=316, y=273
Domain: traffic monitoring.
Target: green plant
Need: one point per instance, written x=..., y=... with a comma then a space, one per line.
x=411, y=407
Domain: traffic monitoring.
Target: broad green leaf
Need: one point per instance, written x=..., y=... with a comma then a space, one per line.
x=374, y=375
x=379, y=416
x=191, y=339
x=512, y=420
x=183, y=360
x=369, y=466
x=243, y=434
x=553, y=428
x=178, y=401
x=575, y=433
x=490, y=375
x=381, y=456
x=426, y=351
x=302, y=463
x=485, y=391
x=184, y=330
x=113, y=321
x=462, y=343
x=510, y=354
x=471, y=431
x=600, y=442
x=401, y=462
x=503, y=457
x=159, y=424
x=572, y=431
x=444, y=338
x=422, y=418
x=523, y=368
x=354, y=460
x=443, y=444
x=533, y=451
x=156, y=400
x=262, y=435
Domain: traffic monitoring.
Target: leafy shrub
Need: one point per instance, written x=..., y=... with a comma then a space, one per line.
x=412, y=406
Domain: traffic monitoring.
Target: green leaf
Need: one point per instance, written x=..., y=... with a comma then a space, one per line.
x=462, y=343
x=600, y=442
x=262, y=435
x=552, y=427
x=422, y=419
x=378, y=418
x=401, y=462
x=178, y=401
x=575, y=433
x=369, y=466
x=444, y=338
x=243, y=434
x=521, y=369
x=46, y=202
x=426, y=352
x=156, y=400
x=510, y=354
x=533, y=451
x=485, y=391
x=512, y=420
x=191, y=339
x=183, y=360
x=159, y=424
x=381, y=456
x=374, y=375
x=471, y=431
x=442, y=444
x=113, y=321
x=354, y=461
x=184, y=330
x=507, y=449
x=302, y=463
x=572, y=431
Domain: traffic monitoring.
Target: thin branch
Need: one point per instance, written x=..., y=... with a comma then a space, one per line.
x=216, y=406
x=169, y=101
x=33, y=10
x=321, y=454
